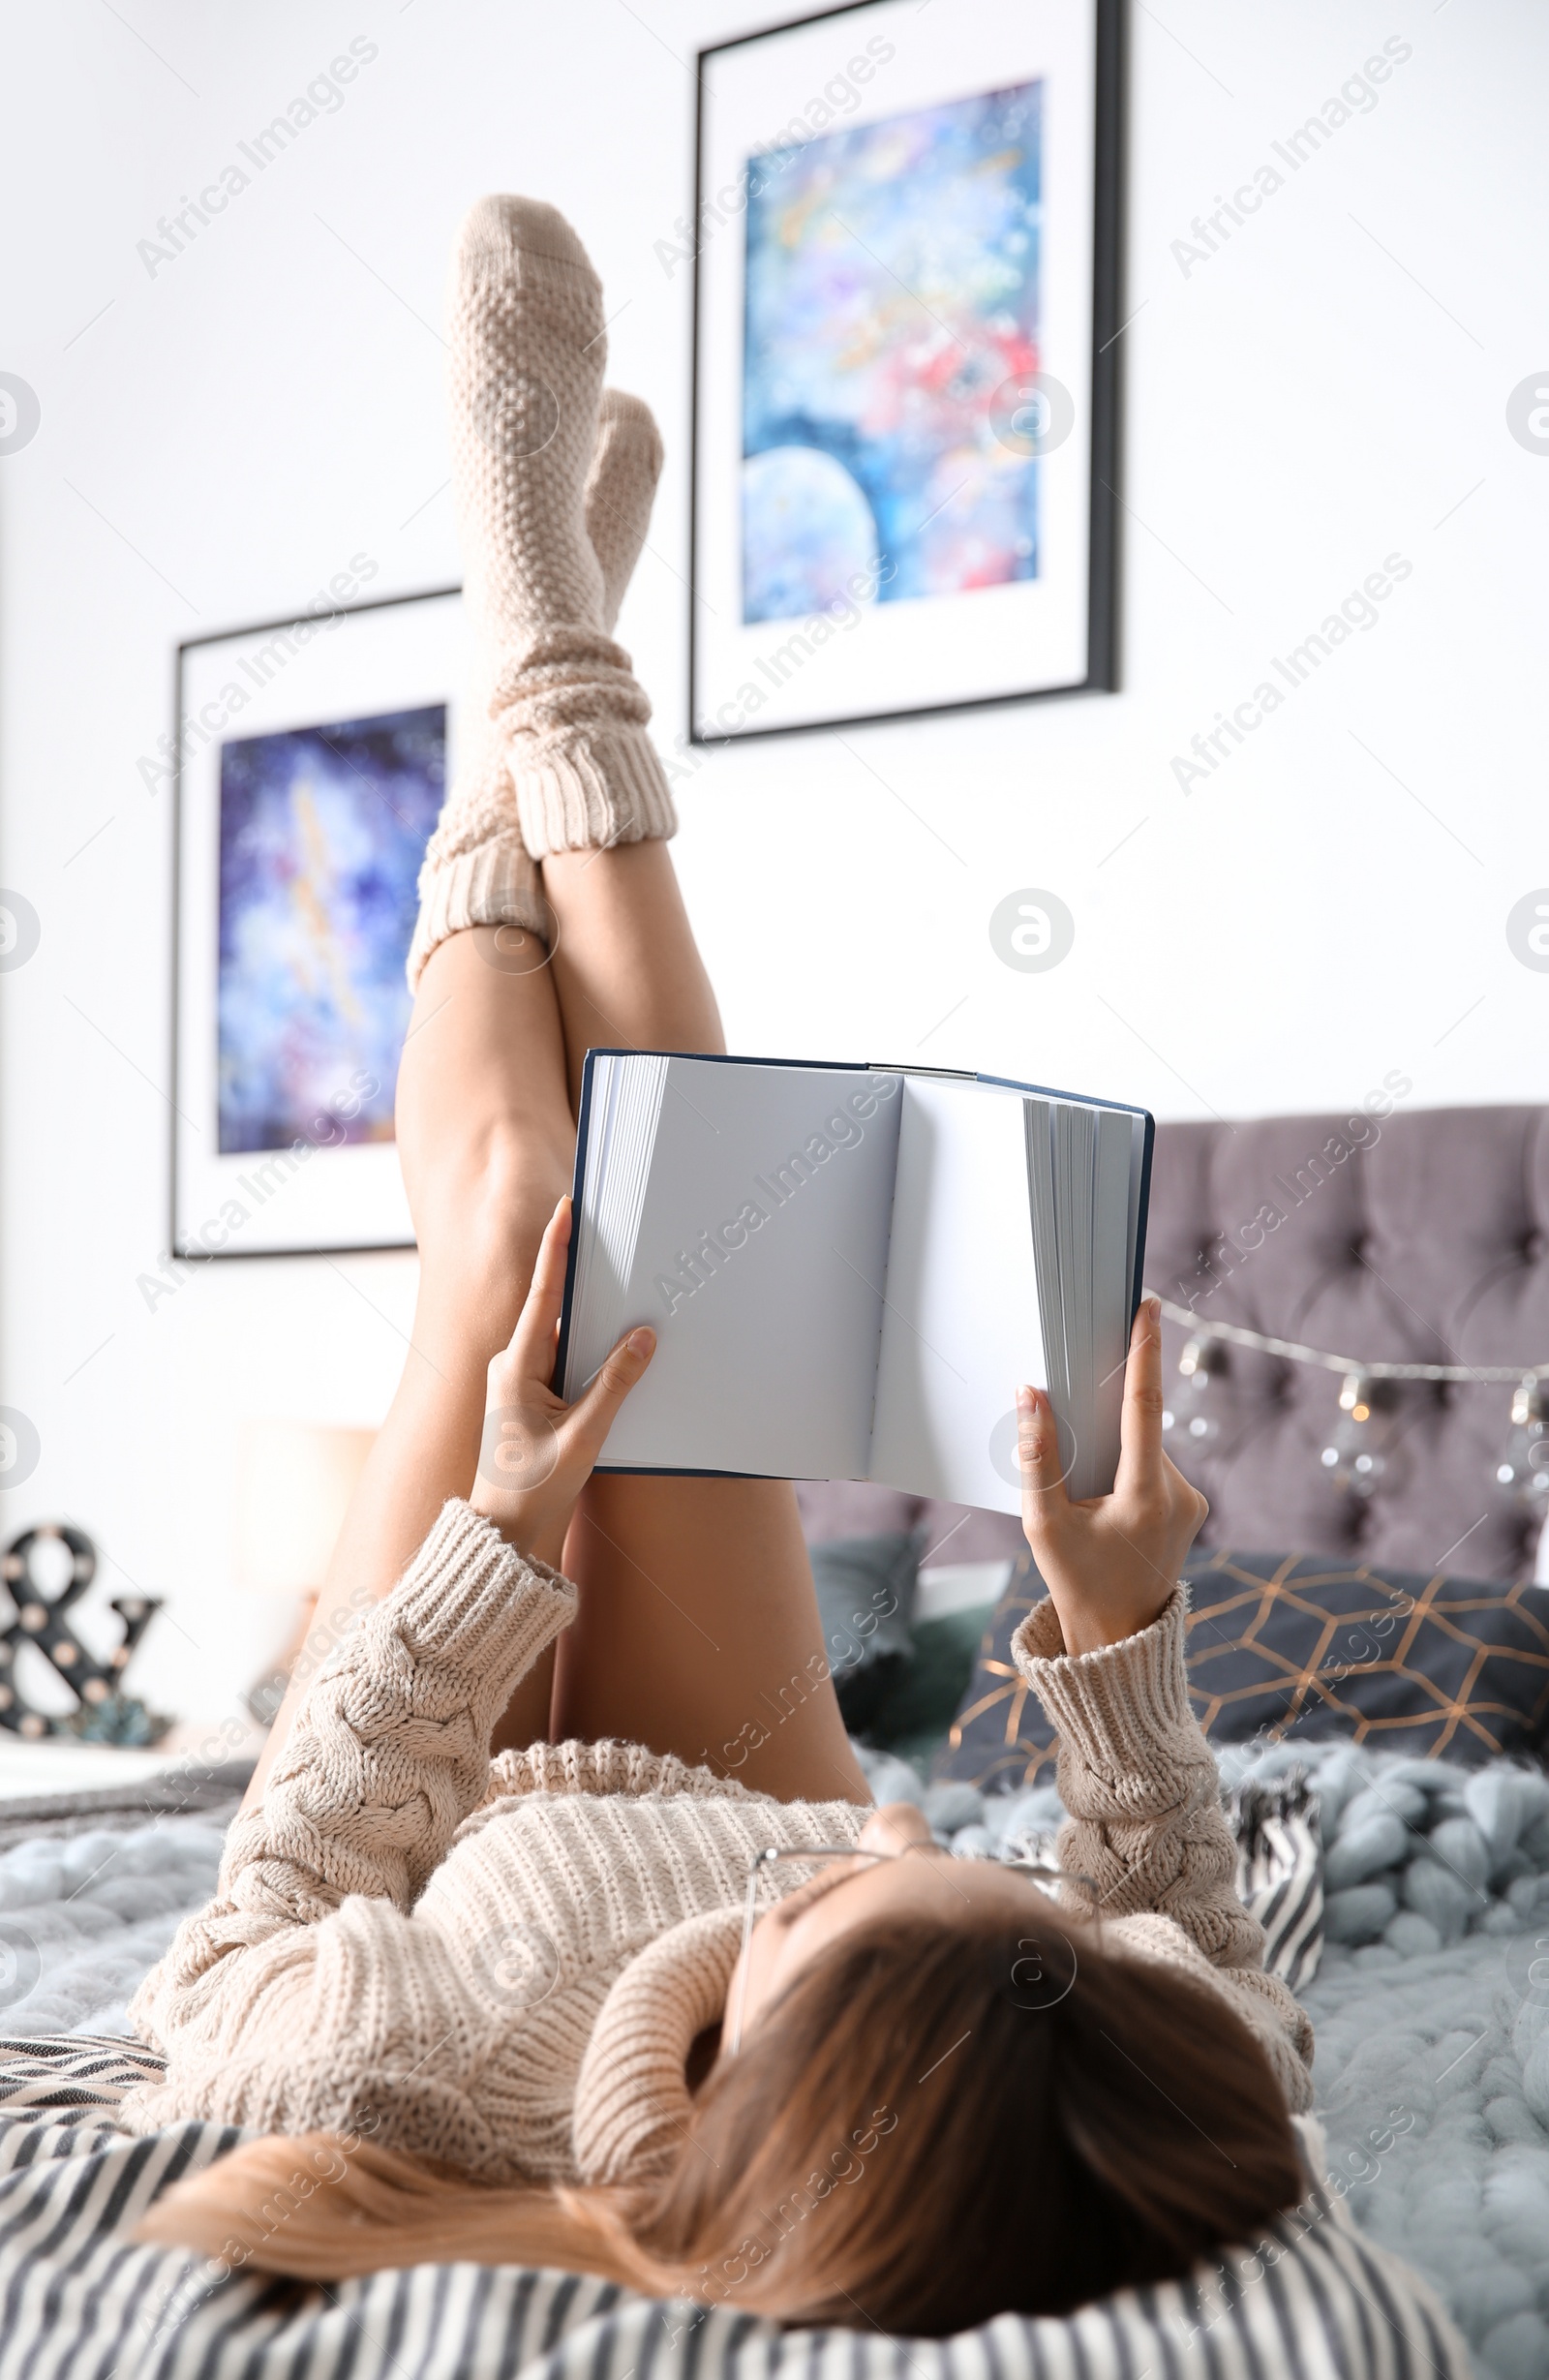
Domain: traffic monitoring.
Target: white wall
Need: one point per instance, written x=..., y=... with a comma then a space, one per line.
x=1329, y=390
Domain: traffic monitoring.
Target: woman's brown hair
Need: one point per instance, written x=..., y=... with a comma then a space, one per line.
x=934, y=2124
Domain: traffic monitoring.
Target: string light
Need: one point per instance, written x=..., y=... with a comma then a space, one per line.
x=1363, y=1453
x=1240, y=1336
x=1192, y=1413
x=1523, y=1470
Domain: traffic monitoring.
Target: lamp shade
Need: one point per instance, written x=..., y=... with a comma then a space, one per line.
x=295, y=1479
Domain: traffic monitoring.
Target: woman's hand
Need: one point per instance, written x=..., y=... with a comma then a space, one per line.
x=1112, y=1561
x=536, y=1453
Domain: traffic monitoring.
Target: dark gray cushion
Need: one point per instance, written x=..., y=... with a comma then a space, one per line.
x=1301, y=1649
x=865, y=1595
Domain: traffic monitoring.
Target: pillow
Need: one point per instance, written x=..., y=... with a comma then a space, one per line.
x=1454, y=1669
x=1000, y=1738
x=1301, y=1648
x=923, y=1698
x=866, y=1596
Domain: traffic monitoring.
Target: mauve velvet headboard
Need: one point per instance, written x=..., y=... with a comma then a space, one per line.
x=1416, y=1237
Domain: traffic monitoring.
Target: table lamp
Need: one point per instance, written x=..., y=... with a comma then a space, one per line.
x=294, y=1482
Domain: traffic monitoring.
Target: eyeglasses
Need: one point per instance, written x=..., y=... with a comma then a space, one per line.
x=816, y=1853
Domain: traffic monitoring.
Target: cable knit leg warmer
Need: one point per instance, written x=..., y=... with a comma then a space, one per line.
x=476, y=870
x=553, y=483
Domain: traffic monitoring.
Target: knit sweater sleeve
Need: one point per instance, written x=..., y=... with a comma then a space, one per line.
x=390, y=1753
x=1146, y=1822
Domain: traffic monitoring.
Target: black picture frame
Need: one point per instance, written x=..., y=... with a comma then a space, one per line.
x=1109, y=191
x=323, y=612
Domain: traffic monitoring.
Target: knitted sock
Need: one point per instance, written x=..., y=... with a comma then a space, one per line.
x=528, y=347
x=557, y=756
x=620, y=485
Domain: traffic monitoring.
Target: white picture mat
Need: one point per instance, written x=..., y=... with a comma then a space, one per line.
x=804, y=1290
x=906, y=655
x=359, y=665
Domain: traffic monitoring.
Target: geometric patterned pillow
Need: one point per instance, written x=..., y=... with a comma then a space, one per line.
x=1000, y=1738
x=1298, y=1646
x=1448, y=1668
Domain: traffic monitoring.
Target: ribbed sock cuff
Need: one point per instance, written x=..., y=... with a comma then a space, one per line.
x=590, y=787
x=495, y=884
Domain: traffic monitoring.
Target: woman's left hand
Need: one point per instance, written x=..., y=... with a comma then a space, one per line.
x=1110, y=1562
x=536, y=1453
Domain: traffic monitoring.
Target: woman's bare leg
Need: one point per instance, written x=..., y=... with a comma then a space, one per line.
x=486, y=1141
x=562, y=770
x=550, y=527
x=627, y=967
x=698, y=1631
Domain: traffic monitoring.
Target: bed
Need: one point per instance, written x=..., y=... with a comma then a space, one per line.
x=1427, y=1240
x=1432, y=2084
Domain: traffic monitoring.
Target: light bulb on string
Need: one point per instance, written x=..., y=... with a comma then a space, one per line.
x=1359, y=1452
x=1191, y=1417
x=1523, y=1470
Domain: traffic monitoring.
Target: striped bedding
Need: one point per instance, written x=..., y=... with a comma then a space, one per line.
x=78, y=2300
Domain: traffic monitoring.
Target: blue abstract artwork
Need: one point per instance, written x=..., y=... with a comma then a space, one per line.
x=892, y=299
x=322, y=834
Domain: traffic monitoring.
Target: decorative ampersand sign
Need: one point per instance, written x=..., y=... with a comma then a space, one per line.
x=104, y=1714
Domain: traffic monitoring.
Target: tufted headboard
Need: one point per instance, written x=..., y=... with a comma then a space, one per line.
x=1412, y=1236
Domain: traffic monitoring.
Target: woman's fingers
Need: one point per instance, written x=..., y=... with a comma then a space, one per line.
x=533, y=1340
x=1038, y=1458
x=1140, y=1457
x=1185, y=1498
x=591, y=1417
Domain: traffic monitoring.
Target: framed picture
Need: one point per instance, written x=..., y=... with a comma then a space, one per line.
x=313, y=757
x=905, y=282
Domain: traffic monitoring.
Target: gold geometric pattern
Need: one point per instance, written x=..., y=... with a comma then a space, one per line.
x=1454, y=1668
x=1284, y=1645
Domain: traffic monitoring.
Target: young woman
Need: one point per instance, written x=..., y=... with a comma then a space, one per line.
x=517, y=2003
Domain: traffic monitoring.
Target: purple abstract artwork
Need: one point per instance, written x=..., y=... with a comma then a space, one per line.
x=892, y=299
x=322, y=831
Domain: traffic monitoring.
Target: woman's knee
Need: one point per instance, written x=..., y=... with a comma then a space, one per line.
x=481, y=1214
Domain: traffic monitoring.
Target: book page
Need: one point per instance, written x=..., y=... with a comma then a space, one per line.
x=622, y=1120
x=1079, y=1181
x=1112, y=1280
x=961, y=1328
x=1133, y=1209
x=759, y=1258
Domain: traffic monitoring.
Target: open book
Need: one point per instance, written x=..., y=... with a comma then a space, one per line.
x=850, y=1269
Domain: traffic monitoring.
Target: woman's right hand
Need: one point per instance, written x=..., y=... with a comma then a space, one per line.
x=1110, y=1562
x=536, y=1453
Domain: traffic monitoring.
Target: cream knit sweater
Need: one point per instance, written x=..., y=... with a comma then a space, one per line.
x=504, y=1965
